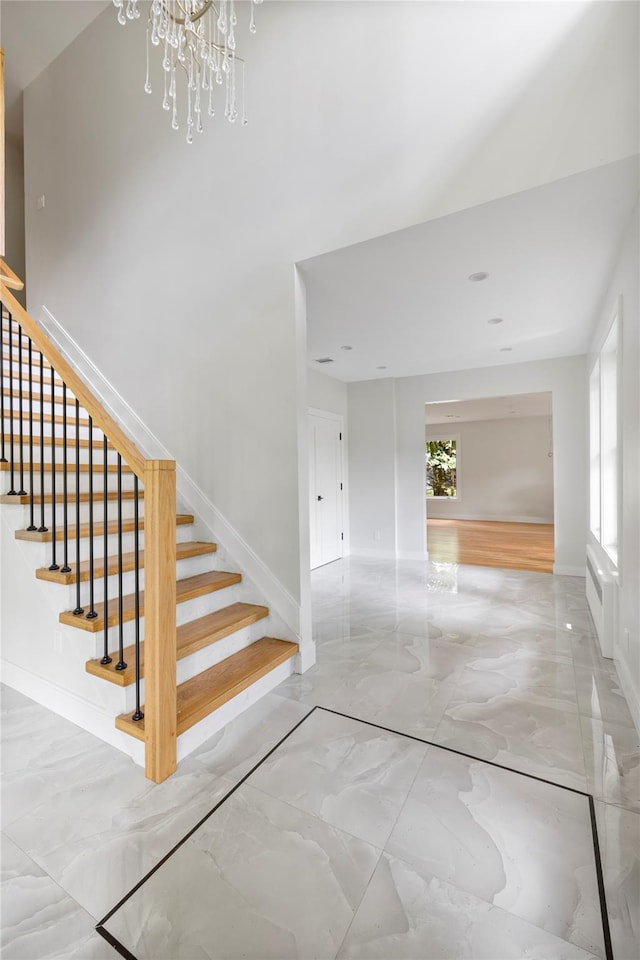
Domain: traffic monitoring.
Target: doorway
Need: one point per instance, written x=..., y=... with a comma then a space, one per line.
x=326, y=487
x=489, y=481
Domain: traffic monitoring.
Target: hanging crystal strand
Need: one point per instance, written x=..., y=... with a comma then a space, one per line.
x=119, y=4
x=212, y=112
x=173, y=93
x=189, y=113
x=231, y=37
x=165, y=99
x=233, y=113
x=155, y=40
x=147, y=85
x=199, y=126
x=252, y=21
x=222, y=17
x=244, y=102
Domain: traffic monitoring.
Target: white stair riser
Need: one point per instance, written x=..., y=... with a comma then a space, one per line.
x=209, y=656
x=185, y=612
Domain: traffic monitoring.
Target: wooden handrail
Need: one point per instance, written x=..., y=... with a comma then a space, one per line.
x=101, y=419
x=9, y=278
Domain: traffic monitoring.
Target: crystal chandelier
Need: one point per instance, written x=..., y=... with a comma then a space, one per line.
x=198, y=41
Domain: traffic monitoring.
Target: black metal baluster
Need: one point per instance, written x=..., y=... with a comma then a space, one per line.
x=65, y=505
x=3, y=458
x=92, y=612
x=54, y=565
x=43, y=527
x=32, y=525
x=78, y=610
x=120, y=665
x=105, y=511
x=21, y=492
x=138, y=715
x=12, y=492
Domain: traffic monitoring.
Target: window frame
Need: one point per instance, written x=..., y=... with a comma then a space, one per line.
x=605, y=466
x=444, y=435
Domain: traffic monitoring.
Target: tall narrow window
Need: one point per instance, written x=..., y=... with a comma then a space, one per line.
x=603, y=443
x=609, y=442
x=594, y=449
x=442, y=468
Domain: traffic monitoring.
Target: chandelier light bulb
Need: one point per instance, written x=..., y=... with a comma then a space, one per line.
x=198, y=45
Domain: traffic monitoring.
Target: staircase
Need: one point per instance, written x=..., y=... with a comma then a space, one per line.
x=131, y=575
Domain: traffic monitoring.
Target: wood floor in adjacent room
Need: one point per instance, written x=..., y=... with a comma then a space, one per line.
x=516, y=546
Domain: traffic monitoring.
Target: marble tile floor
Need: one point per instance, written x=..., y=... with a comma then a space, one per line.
x=501, y=665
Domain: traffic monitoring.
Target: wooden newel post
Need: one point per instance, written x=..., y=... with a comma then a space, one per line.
x=160, y=710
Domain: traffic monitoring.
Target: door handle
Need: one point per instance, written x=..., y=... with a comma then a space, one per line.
x=319, y=497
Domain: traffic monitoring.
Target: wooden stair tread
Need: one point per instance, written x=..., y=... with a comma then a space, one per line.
x=98, y=497
x=15, y=355
x=84, y=421
x=71, y=467
x=209, y=690
x=190, y=637
x=188, y=589
x=18, y=438
x=36, y=397
x=182, y=519
x=184, y=550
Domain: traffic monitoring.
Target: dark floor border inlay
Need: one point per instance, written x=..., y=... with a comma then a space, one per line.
x=123, y=951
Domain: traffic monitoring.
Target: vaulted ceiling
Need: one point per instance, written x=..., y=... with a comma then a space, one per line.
x=33, y=34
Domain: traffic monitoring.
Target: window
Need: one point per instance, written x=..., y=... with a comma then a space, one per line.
x=594, y=449
x=442, y=468
x=603, y=436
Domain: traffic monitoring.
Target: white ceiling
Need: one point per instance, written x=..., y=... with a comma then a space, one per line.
x=403, y=301
x=33, y=33
x=489, y=408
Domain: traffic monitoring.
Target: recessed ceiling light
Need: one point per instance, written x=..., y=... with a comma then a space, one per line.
x=346, y=347
x=324, y=360
x=506, y=349
x=495, y=320
x=452, y=416
x=477, y=277
x=381, y=368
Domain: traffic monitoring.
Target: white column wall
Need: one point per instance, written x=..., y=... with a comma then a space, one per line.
x=372, y=468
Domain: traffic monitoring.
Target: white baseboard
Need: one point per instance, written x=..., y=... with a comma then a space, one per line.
x=488, y=517
x=560, y=570
x=630, y=690
x=371, y=553
x=69, y=705
x=275, y=594
x=422, y=555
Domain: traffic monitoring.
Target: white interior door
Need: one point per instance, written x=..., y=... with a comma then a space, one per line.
x=325, y=489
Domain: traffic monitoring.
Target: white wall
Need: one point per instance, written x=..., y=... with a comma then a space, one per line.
x=624, y=284
x=504, y=471
x=386, y=423
x=326, y=393
x=372, y=468
x=14, y=209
